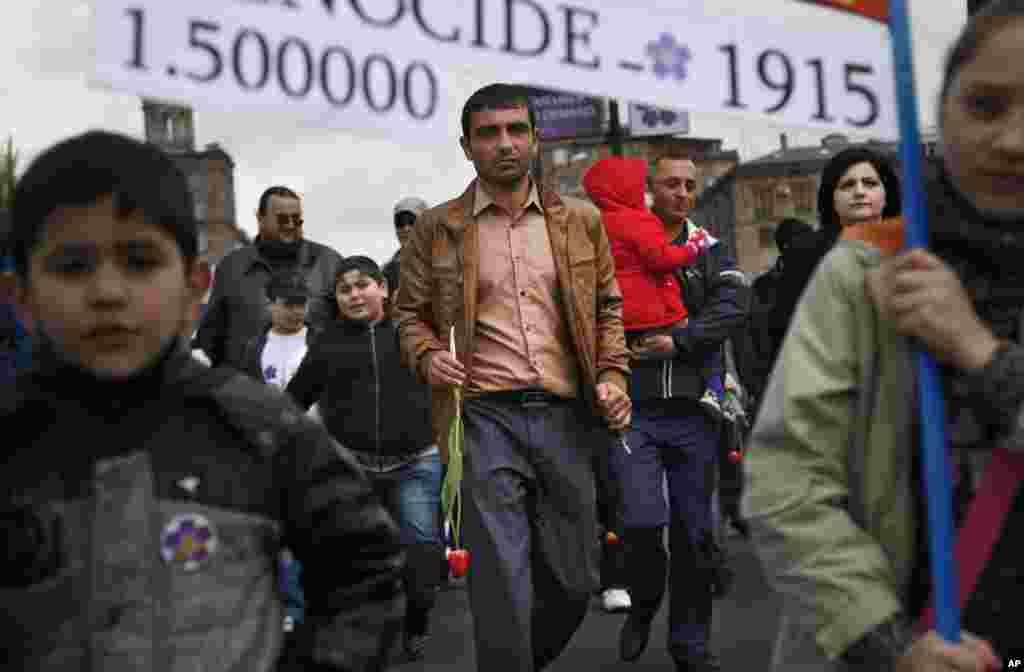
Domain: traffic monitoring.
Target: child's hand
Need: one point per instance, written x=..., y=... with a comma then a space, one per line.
x=698, y=242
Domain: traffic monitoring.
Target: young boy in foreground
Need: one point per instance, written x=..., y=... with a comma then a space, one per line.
x=144, y=496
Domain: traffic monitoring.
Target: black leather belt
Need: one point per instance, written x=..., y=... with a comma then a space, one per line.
x=526, y=397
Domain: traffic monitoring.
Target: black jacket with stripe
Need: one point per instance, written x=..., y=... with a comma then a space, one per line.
x=141, y=521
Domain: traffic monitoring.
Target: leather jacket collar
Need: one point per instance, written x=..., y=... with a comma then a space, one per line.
x=460, y=210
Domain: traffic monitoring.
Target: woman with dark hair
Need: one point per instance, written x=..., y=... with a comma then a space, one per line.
x=835, y=497
x=858, y=188
x=857, y=185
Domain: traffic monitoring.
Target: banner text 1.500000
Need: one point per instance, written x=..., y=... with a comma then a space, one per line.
x=297, y=68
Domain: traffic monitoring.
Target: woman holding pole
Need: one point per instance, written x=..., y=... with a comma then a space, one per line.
x=835, y=497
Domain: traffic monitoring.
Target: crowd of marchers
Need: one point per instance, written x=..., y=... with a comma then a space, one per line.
x=261, y=479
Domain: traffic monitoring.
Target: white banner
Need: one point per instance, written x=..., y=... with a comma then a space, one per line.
x=386, y=67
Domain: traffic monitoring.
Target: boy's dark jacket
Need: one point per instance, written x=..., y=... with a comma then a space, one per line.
x=99, y=484
x=368, y=400
x=713, y=292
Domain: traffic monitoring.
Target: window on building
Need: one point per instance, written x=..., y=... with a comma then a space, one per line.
x=764, y=202
x=803, y=196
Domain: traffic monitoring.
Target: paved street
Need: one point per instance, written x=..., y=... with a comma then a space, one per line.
x=744, y=626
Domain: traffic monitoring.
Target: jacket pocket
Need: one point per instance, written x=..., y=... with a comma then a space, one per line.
x=238, y=575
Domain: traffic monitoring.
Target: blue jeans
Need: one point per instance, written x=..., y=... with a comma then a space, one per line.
x=673, y=441
x=412, y=495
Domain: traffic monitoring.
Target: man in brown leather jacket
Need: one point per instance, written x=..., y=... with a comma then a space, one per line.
x=524, y=279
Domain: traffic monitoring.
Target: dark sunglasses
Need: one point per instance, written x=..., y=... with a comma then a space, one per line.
x=404, y=219
x=294, y=300
x=283, y=218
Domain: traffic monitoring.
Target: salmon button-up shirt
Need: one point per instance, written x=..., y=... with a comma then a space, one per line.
x=522, y=339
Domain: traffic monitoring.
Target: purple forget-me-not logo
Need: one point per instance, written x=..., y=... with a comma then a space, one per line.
x=670, y=57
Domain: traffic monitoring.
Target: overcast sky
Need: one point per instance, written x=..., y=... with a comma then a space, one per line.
x=349, y=184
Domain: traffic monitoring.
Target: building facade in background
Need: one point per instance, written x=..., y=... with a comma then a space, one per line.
x=210, y=174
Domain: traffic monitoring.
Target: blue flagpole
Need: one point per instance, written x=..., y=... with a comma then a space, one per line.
x=937, y=467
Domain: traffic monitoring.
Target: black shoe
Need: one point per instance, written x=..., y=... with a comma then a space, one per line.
x=633, y=638
x=709, y=663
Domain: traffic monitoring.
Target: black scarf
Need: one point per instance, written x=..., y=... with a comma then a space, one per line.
x=279, y=253
x=987, y=255
x=55, y=375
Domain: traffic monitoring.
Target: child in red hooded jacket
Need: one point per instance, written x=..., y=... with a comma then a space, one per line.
x=645, y=258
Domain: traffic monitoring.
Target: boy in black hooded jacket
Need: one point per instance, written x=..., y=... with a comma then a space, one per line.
x=144, y=496
x=373, y=404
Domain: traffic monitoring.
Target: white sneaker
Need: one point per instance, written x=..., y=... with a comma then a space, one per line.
x=614, y=600
x=711, y=402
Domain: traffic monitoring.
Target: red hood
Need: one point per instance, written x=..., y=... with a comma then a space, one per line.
x=617, y=182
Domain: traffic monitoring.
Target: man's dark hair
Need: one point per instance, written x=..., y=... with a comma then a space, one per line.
x=496, y=97
x=788, y=230
x=276, y=190
x=287, y=284
x=81, y=170
x=359, y=263
x=834, y=171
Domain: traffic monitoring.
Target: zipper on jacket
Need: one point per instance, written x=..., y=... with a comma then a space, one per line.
x=376, y=395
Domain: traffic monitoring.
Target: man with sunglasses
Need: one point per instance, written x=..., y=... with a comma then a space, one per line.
x=239, y=308
x=407, y=211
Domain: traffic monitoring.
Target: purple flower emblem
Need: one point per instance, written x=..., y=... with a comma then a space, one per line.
x=670, y=57
x=188, y=540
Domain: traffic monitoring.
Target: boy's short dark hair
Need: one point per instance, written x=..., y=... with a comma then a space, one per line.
x=287, y=285
x=359, y=263
x=276, y=190
x=82, y=169
x=496, y=97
